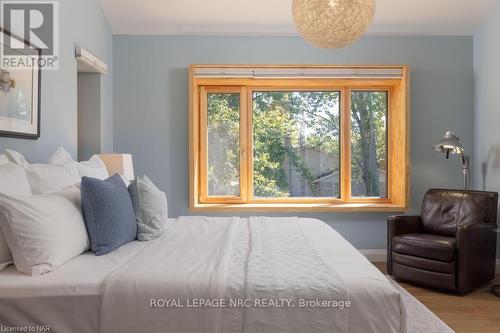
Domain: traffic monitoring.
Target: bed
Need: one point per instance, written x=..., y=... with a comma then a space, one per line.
x=209, y=274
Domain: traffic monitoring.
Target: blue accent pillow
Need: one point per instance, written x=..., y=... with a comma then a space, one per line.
x=108, y=213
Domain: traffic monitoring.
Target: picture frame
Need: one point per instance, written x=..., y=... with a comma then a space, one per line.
x=20, y=94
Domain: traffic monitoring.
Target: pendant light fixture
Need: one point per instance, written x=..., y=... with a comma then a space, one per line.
x=332, y=23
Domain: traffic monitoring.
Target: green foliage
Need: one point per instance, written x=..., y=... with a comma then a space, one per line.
x=283, y=124
x=271, y=124
x=223, y=143
x=368, y=140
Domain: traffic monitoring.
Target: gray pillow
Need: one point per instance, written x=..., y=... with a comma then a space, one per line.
x=150, y=206
x=108, y=213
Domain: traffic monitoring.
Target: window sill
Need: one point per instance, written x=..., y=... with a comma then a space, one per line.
x=295, y=207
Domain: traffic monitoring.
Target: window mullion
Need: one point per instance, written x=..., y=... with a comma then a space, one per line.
x=243, y=145
x=345, y=150
x=249, y=145
x=203, y=145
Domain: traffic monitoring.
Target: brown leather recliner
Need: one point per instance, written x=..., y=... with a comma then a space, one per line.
x=451, y=245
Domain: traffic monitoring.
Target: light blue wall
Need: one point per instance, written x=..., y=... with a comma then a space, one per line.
x=487, y=104
x=151, y=105
x=82, y=23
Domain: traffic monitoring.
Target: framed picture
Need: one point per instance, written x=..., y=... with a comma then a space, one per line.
x=20, y=92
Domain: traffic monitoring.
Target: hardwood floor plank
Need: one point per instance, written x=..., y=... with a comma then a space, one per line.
x=476, y=312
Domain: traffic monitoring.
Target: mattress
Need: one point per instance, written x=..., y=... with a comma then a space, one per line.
x=70, y=299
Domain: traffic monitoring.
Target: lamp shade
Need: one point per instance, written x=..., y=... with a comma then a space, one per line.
x=450, y=143
x=121, y=164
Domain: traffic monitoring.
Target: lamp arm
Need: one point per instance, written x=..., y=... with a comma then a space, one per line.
x=465, y=170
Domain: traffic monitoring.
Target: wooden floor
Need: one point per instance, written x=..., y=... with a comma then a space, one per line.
x=476, y=312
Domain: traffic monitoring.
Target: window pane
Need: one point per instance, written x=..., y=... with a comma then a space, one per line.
x=223, y=144
x=369, y=144
x=296, y=144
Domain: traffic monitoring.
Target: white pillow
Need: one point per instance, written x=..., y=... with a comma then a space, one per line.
x=15, y=157
x=5, y=255
x=46, y=178
x=150, y=206
x=43, y=231
x=60, y=156
x=13, y=181
x=94, y=167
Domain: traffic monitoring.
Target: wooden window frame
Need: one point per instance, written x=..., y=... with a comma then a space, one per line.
x=398, y=151
x=204, y=197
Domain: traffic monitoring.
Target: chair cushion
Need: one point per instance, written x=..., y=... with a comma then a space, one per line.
x=426, y=246
x=424, y=263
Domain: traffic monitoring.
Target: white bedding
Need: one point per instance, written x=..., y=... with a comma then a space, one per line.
x=375, y=305
x=67, y=299
x=205, y=259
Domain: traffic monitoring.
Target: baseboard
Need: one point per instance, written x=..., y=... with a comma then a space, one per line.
x=379, y=255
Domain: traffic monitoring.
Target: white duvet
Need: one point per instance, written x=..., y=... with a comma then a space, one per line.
x=249, y=275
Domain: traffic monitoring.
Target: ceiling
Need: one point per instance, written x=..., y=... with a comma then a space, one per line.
x=273, y=17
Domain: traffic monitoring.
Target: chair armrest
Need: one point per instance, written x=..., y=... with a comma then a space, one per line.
x=403, y=224
x=476, y=256
x=399, y=225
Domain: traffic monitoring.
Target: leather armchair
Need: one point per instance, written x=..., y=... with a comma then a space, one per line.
x=451, y=245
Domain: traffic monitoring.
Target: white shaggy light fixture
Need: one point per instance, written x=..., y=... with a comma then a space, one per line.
x=332, y=23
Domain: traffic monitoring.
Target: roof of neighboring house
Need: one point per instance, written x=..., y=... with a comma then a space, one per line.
x=326, y=176
x=330, y=174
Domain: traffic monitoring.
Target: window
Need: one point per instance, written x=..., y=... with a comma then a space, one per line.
x=223, y=127
x=295, y=144
x=298, y=138
x=369, y=143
